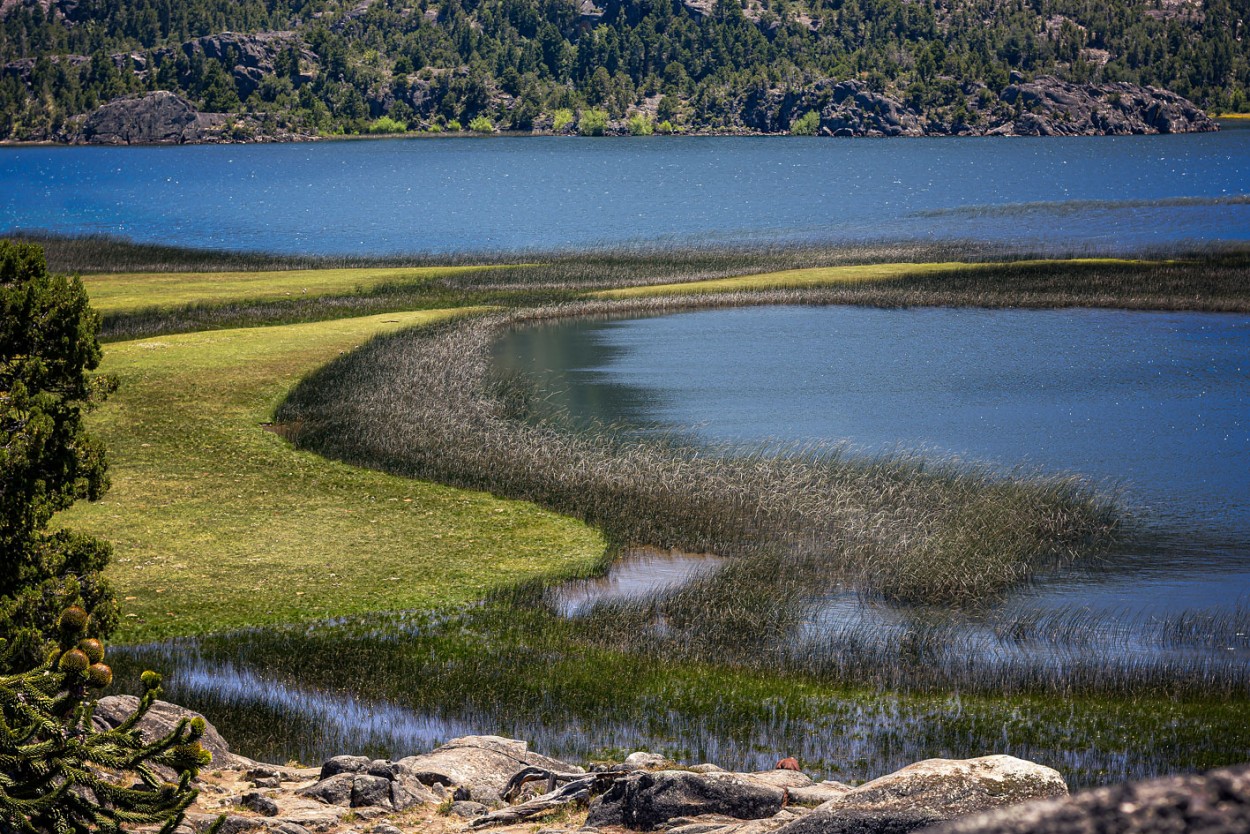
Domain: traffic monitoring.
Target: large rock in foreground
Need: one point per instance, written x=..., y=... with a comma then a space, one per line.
x=1217, y=802
x=480, y=764
x=159, y=118
x=931, y=792
x=160, y=721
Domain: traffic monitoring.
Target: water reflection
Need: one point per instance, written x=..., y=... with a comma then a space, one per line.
x=640, y=573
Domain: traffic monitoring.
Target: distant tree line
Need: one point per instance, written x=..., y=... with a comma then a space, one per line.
x=435, y=64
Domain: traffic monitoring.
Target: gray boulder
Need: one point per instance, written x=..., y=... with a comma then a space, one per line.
x=931, y=792
x=714, y=824
x=481, y=764
x=159, y=118
x=160, y=721
x=645, y=801
x=1217, y=802
x=360, y=782
x=644, y=761
x=819, y=793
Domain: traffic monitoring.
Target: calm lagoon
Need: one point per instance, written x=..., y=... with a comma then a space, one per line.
x=1153, y=405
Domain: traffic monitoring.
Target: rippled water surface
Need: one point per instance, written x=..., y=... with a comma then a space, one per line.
x=450, y=195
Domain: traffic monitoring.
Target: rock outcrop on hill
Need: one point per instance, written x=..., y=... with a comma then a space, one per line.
x=158, y=118
x=1045, y=106
x=162, y=118
x=248, y=58
x=1050, y=107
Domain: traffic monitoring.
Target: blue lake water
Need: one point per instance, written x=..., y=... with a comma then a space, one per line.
x=507, y=194
x=1154, y=404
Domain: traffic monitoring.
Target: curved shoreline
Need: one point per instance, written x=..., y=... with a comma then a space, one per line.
x=907, y=529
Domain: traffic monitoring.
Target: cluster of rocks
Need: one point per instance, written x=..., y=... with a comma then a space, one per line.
x=1045, y=106
x=481, y=782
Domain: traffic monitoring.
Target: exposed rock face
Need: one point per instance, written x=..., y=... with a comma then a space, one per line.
x=846, y=108
x=481, y=764
x=1045, y=106
x=1050, y=107
x=1217, y=802
x=248, y=58
x=645, y=801
x=930, y=792
x=159, y=118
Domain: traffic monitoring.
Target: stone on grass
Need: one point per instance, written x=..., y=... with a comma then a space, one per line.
x=645, y=801
x=931, y=792
x=481, y=764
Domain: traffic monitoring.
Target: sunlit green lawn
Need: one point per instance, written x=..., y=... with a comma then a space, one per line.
x=217, y=523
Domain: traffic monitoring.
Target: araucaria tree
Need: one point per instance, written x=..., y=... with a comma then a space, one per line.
x=48, y=348
x=59, y=773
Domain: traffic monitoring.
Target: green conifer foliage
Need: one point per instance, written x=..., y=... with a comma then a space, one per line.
x=59, y=774
x=48, y=460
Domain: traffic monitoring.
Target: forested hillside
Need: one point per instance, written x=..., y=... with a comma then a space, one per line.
x=351, y=66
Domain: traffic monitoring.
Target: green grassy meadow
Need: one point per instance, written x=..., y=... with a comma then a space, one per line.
x=217, y=523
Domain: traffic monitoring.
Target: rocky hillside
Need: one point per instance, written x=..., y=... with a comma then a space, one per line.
x=281, y=69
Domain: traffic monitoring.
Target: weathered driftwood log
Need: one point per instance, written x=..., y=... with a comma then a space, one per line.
x=534, y=774
x=578, y=787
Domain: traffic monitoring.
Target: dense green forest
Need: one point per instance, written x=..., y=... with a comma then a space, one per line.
x=351, y=66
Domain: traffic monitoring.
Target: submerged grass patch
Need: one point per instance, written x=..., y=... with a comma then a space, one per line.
x=393, y=687
x=218, y=523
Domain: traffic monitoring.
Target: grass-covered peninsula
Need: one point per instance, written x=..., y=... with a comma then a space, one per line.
x=220, y=524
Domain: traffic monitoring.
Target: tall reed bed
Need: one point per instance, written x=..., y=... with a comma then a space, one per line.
x=424, y=404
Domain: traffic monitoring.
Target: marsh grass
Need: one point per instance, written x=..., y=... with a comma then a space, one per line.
x=423, y=404
x=394, y=688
